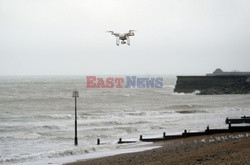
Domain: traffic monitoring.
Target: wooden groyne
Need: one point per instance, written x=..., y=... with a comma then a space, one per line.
x=190, y=134
x=207, y=131
x=122, y=141
x=243, y=119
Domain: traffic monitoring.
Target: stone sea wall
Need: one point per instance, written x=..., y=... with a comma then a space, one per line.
x=213, y=84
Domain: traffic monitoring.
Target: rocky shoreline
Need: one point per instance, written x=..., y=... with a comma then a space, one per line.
x=235, y=88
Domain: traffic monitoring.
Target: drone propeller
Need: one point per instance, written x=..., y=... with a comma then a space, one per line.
x=110, y=32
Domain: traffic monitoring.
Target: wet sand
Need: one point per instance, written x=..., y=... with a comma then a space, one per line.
x=212, y=149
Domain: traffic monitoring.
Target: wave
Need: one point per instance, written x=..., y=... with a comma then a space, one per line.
x=191, y=111
x=32, y=135
x=123, y=95
x=184, y=94
x=69, y=152
x=27, y=128
x=53, y=154
x=57, y=116
x=50, y=127
x=235, y=109
x=136, y=113
x=23, y=136
x=169, y=86
x=121, y=121
x=128, y=129
x=184, y=106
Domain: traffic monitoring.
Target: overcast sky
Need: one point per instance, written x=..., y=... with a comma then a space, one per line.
x=67, y=37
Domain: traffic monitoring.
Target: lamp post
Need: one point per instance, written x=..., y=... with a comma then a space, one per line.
x=75, y=95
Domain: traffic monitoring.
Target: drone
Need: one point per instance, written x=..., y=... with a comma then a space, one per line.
x=122, y=37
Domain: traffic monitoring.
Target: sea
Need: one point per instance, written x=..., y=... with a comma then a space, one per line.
x=37, y=116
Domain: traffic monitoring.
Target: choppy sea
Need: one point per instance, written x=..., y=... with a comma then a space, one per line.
x=37, y=115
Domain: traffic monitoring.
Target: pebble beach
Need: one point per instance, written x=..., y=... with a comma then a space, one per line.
x=227, y=148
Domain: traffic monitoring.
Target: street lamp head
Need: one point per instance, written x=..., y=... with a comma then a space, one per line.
x=75, y=94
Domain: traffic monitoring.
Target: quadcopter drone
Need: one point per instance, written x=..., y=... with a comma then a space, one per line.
x=123, y=37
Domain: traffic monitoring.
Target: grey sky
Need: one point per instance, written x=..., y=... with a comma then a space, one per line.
x=67, y=37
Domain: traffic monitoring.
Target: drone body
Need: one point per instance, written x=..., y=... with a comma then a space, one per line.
x=123, y=37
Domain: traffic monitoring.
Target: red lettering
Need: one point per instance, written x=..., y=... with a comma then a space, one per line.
x=119, y=80
x=109, y=82
x=90, y=81
x=100, y=83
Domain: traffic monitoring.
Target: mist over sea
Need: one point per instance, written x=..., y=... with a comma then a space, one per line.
x=37, y=115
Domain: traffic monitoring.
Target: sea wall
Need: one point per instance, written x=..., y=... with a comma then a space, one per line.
x=213, y=84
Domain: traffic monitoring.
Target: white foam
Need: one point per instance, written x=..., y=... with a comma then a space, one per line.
x=74, y=158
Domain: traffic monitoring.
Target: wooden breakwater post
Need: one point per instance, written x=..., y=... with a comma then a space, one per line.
x=184, y=134
x=207, y=131
x=126, y=141
x=98, y=141
x=164, y=135
x=245, y=117
x=229, y=126
x=140, y=137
